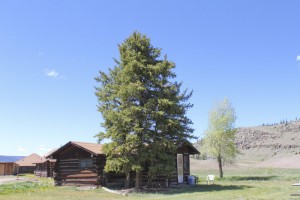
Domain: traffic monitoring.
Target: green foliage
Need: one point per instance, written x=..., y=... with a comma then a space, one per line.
x=22, y=187
x=144, y=112
x=220, y=135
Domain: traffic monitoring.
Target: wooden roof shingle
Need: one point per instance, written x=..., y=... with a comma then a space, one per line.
x=92, y=148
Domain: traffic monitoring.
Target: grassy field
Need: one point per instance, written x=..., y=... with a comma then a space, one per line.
x=237, y=184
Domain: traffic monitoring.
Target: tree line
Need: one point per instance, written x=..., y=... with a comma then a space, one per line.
x=284, y=121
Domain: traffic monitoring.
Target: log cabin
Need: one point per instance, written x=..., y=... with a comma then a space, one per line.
x=80, y=163
x=27, y=164
x=44, y=168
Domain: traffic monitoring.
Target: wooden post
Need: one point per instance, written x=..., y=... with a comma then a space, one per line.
x=138, y=181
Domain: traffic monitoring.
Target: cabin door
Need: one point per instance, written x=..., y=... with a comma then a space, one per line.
x=180, y=168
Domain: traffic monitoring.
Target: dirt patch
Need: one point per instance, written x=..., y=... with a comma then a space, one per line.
x=12, y=179
x=213, y=165
x=292, y=162
x=5, y=179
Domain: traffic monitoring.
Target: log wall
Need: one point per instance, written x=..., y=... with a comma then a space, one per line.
x=68, y=172
x=44, y=169
x=8, y=169
x=69, y=169
x=26, y=169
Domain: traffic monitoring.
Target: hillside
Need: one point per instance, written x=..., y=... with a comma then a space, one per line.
x=275, y=146
x=265, y=142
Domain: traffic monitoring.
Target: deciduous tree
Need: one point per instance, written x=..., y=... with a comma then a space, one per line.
x=220, y=134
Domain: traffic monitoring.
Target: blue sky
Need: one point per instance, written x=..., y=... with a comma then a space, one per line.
x=50, y=52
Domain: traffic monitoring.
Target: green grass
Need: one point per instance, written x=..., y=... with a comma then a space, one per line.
x=26, y=186
x=237, y=184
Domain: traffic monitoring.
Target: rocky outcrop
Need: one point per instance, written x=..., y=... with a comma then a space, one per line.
x=265, y=142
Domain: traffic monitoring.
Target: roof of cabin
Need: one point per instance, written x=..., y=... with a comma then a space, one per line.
x=50, y=152
x=187, y=147
x=29, y=160
x=93, y=148
x=43, y=160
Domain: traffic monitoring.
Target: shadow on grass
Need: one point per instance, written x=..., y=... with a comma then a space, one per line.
x=251, y=178
x=207, y=188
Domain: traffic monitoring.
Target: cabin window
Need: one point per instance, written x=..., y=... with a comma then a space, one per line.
x=85, y=163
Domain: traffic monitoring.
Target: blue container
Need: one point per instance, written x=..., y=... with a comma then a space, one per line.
x=191, y=180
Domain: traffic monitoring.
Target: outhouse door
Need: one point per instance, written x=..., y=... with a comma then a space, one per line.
x=180, y=168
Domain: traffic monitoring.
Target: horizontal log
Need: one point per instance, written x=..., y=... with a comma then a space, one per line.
x=75, y=165
x=77, y=175
x=78, y=184
x=69, y=170
x=69, y=163
x=76, y=172
x=63, y=160
x=81, y=180
x=79, y=170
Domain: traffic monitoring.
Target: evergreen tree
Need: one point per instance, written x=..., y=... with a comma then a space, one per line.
x=144, y=112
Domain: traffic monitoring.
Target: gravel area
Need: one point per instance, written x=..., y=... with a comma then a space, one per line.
x=5, y=179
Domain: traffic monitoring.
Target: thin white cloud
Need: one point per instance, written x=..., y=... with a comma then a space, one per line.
x=51, y=73
x=298, y=58
x=22, y=149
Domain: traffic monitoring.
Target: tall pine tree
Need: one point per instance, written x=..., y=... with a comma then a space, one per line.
x=144, y=112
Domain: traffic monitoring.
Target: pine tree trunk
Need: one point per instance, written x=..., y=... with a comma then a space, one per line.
x=138, y=181
x=127, y=180
x=149, y=182
x=220, y=166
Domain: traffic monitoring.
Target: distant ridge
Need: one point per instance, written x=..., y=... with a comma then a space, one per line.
x=266, y=142
x=271, y=146
x=10, y=158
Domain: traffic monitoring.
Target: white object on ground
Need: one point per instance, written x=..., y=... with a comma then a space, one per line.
x=210, y=178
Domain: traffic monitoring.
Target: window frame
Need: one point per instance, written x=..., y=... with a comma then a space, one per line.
x=85, y=163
